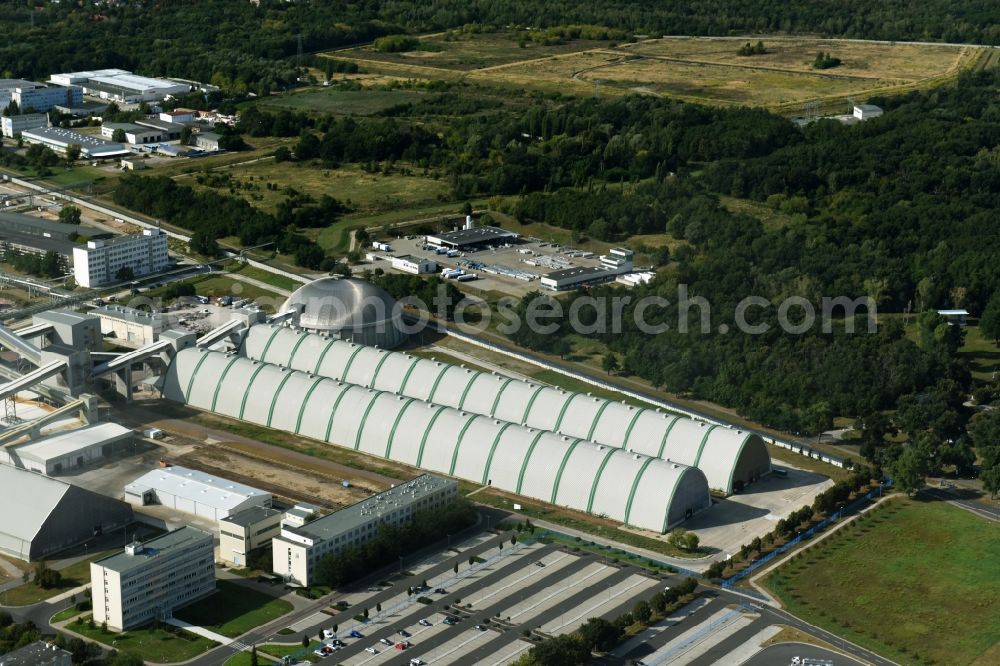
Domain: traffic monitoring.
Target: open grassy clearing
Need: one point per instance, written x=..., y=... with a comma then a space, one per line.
x=916, y=581
x=983, y=355
x=903, y=62
x=769, y=217
x=470, y=52
x=705, y=70
x=365, y=193
x=164, y=645
x=234, y=609
x=341, y=102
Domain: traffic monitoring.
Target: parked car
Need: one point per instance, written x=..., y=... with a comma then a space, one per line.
x=402, y=645
x=329, y=633
x=319, y=653
x=416, y=661
x=404, y=633
x=371, y=650
x=425, y=622
x=356, y=634
x=385, y=641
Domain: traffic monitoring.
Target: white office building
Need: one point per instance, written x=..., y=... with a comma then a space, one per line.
x=297, y=550
x=101, y=260
x=12, y=126
x=149, y=581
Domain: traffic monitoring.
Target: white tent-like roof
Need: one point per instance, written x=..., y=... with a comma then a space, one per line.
x=568, y=471
x=729, y=458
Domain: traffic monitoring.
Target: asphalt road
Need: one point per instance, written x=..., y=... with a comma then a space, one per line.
x=779, y=655
x=950, y=496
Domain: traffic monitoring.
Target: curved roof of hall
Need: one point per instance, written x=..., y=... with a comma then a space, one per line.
x=628, y=487
x=726, y=456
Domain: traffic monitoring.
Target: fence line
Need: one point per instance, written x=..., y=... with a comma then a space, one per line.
x=818, y=527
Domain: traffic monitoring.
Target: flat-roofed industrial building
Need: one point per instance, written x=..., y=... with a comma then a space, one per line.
x=195, y=492
x=67, y=451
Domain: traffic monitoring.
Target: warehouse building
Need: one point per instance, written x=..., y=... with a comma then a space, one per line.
x=68, y=451
x=416, y=265
x=247, y=530
x=207, y=141
x=119, y=85
x=349, y=309
x=149, y=581
x=12, y=126
x=170, y=131
x=194, y=492
x=128, y=326
x=729, y=458
x=295, y=552
x=101, y=261
x=59, y=139
x=42, y=516
x=473, y=238
x=134, y=134
x=640, y=490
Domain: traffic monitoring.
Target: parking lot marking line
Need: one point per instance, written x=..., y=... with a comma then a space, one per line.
x=697, y=640
x=549, y=568
x=641, y=581
x=602, y=569
x=509, y=657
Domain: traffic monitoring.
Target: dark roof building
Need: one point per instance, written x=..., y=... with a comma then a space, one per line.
x=475, y=237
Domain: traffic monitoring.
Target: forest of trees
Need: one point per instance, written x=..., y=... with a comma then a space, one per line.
x=253, y=48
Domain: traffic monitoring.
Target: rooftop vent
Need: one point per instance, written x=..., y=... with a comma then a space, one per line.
x=134, y=548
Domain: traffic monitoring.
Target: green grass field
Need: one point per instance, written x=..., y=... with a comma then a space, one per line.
x=983, y=355
x=156, y=645
x=365, y=193
x=234, y=609
x=469, y=52
x=342, y=102
x=704, y=70
x=915, y=581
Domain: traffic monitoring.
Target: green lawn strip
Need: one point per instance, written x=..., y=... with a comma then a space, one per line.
x=273, y=279
x=65, y=614
x=233, y=610
x=164, y=645
x=272, y=653
x=75, y=575
x=592, y=525
x=915, y=581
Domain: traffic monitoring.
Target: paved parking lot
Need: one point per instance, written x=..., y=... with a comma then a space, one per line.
x=490, y=604
x=531, y=258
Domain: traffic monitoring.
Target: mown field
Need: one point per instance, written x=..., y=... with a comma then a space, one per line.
x=706, y=70
x=472, y=52
x=365, y=193
x=916, y=581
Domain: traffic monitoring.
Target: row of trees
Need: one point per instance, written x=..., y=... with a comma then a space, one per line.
x=391, y=541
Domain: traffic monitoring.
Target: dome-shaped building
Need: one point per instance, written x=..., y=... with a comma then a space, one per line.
x=349, y=309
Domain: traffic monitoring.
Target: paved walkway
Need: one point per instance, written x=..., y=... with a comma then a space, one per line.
x=698, y=564
x=201, y=631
